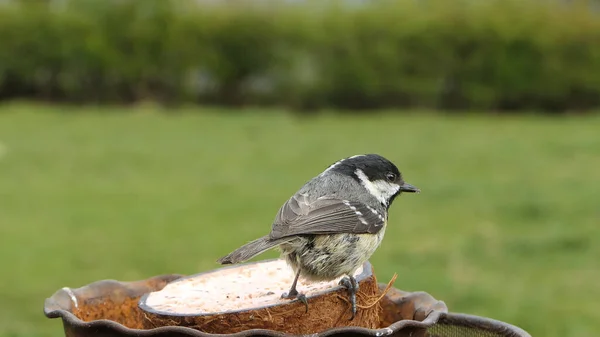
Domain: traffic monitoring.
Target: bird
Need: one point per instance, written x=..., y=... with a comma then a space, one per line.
x=333, y=224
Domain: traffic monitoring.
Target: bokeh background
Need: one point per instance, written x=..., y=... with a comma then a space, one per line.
x=140, y=138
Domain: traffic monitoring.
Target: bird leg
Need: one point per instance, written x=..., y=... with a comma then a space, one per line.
x=350, y=283
x=293, y=293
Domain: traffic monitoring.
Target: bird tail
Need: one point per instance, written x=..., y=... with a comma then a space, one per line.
x=250, y=250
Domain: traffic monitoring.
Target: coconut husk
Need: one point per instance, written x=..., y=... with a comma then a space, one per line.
x=244, y=297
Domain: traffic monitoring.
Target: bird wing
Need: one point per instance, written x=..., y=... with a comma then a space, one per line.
x=300, y=215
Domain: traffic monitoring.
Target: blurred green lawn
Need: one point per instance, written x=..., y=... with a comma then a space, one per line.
x=506, y=226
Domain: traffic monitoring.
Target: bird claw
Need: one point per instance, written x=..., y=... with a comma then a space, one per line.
x=350, y=283
x=295, y=295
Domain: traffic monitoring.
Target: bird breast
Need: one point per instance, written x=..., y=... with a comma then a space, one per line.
x=329, y=256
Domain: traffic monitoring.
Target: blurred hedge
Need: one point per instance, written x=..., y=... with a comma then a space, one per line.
x=486, y=54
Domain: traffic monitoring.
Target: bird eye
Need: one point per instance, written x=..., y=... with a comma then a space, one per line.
x=390, y=177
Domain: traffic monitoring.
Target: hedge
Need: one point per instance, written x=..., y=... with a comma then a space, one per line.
x=460, y=54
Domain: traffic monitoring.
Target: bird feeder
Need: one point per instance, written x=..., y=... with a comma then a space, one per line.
x=245, y=300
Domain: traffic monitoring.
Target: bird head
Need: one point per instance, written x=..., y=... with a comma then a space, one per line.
x=379, y=176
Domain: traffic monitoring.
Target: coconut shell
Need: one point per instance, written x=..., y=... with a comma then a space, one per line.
x=244, y=297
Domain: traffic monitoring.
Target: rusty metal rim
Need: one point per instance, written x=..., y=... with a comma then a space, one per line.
x=479, y=322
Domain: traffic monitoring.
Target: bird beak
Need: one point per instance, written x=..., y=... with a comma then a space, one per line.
x=406, y=187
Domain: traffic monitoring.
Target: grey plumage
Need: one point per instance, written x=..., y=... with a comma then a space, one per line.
x=309, y=214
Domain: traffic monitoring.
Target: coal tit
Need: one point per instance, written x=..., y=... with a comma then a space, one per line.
x=334, y=223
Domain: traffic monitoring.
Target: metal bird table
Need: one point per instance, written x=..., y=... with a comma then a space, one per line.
x=168, y=305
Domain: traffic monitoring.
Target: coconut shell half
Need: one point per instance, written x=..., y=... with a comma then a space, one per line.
x=248, y=296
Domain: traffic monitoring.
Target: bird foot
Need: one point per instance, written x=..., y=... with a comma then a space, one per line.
x=294, y=294
x=350, y=283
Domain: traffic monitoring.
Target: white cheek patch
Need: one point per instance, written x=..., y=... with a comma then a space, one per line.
x=381, y=190
x=387, y=189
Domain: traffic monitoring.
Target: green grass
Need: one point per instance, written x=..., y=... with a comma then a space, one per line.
x=506, y=226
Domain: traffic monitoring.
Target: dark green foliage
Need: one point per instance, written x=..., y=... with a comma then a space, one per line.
x=493, y=54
